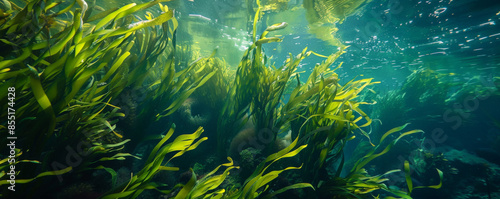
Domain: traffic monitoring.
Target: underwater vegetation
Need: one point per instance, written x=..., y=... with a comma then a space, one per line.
x=88, y=85
x=463, y=110
x=420, y=98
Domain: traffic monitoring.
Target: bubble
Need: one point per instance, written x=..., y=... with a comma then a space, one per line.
x=439, y=11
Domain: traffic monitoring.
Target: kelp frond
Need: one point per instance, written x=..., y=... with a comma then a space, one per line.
x=206, y=186
x=258, y=182
x=154, y=164
x=7, y=169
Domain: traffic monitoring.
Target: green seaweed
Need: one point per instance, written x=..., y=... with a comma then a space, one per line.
x=67, y=79
x=142, y=180
x=258, y=182
x=410, y=183
x=200, y=188
x=6, y=167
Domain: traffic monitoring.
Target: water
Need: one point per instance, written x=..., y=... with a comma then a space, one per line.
x=455, y=37
x=388, y=38
x=93, y=108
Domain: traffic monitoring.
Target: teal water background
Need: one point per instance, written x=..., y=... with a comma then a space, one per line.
x=388, y=39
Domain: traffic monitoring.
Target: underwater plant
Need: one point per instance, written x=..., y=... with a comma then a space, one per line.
x=142, y=180
x=208, y=186
x=65, y=76
x=165, y=89
x=199, y=188
x=215, y=90
x=421, y=98
x=260, y=180
x=257, y=88
x=359, y=182
x=8, y=166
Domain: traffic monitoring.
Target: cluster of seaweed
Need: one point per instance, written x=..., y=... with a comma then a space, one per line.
x=439, y=101
x=422, y=90
x=67, y=71
x=75, y=72
x=426, y=94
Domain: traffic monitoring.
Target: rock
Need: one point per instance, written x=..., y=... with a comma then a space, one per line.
x=476, y=177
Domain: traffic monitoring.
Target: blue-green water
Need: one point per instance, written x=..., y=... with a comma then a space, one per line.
x=387, y=39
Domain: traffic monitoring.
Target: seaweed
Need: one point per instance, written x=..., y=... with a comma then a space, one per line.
x=65, y=81
x=8, y=165
x=257, y=87
x=215, y=90
x=198, y=188
x=322, y=113
x=410, y=184
x=259, y=181
x=142, y=180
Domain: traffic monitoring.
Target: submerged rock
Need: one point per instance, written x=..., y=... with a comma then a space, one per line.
x=475, y=177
